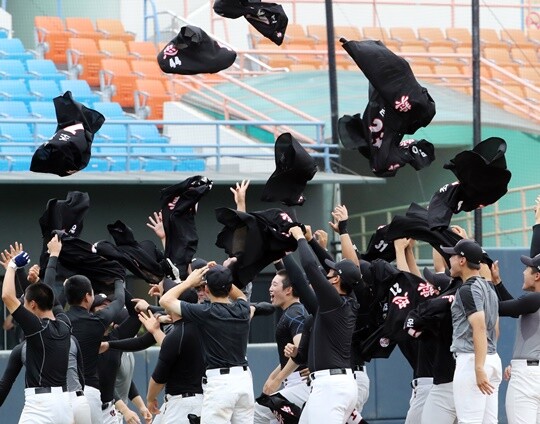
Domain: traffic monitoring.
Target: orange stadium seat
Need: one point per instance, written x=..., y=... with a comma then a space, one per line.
x=84, y=52
x=500, y=56
x=436, y=50
x=305, y=58
x=379, y=33
x=419, y=60
x=465, y=52
x=434, y=37
x=51, y=30
x=405, y=36
x=501, y=78
x=276, y=60
x=530, y=74
x=532, y=95
x=148, y=69
x=115, y=49
x=452, y=74
x=460, y=36
x=142, y=50
x=82, y=28
x=114, y=29
x=533, y=35
x=424, y=73
x=351, y=33
x=516, y=38
x=295, y=34
x=302, y=67
x=489, y=38
x=151, y=94
x=525, y=56
x=117, y=73
x=318, y=33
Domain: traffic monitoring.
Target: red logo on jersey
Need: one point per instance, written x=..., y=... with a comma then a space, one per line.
x=427, y=290
x=401, y=301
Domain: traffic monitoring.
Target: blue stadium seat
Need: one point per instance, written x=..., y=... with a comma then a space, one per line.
x=81, y=91
x=160, y=165
x=121, y=165
x=44, y=69
x=191, y=165
x=43, y=110
x=147, y=151
x=16, y=133
x=21, y=163
x=4, y=33
x=147, y=134
x=109, y=133
x=5, y=164
x=15, y=90
x=111, y=110
x=172, y=150
x=13, y=69
x=15, y=150
x=98, y=165
x=44, y=89
x=13, y=110
x=12, y=48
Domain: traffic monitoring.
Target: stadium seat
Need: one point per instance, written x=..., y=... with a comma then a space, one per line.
x=379, y=33
x=116, y=79
x=318, y=33
x=351, y=33
x=13, y=69
x=12, y=48
x=179, y=151
x=15, y=90
x=489, y=38
x=13, y=110
x=525, y=56
x=503, y=78
x=21, y=163
x=142, y=50
x=114, y=29
x=452, y=74
x=82, y=28
x=460, y=36
x=516, y=38
x=530, y=74
x=44, y=89
x=147, y=133
x=274, y=60
x=532, y=95
x=436, y=50
x=98, y=165
x=307, y=58
x=43, y=110
x=434, y=37
x=5, y=164
x=81, y=91
x=158, y=165
x=148, y=69
x=190, y=165
x=110, y=133
x=296, y=34
x=499, y=56
x=19, y=133
x=84, y=59
x=405, y=36
x=533, y=35
x=45, y=69
x=12, y=150
x=114, y=49
x=298, y=67
x=111, y=110
x=419, y=60
x=149, y=98
x=51, y=37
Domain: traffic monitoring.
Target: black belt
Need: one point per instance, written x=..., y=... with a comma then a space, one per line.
x=533, y=362
x=42, y=390
x=333, y=371
x=228, y=370
x=358, y=368
x=79, y=393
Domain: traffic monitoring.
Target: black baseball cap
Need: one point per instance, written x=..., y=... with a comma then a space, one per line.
x=467, y=248
x=218, y=277
x=197, y=263
x=100, y=299
x=441, y=280
x=533, y=262
x=347, y=271
x=189, y=295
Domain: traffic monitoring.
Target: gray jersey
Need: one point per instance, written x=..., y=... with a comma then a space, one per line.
x=527, y=345
x=124, y=376
x=475, y=295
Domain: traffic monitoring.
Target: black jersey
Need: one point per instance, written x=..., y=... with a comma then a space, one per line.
x=47, y=343
x=89, y=328
x=180, y=365
x=11, y=372
x=331, y=335
x=224, y=330
x=289, y=325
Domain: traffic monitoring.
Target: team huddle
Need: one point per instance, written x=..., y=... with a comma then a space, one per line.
x=336, y=315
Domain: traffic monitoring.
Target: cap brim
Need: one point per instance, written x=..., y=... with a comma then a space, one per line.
x=330, y=264
x=525, y=260
x=448, y=250
x=428, y=275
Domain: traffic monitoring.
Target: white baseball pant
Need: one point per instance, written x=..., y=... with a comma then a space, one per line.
x=420, y=391
x=80, y=407
x=472, y=406
x=93, y=396
x=523, y=394
x=439, y=406
x=46, y=408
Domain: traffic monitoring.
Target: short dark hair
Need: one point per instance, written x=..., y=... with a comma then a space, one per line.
x=220, y=291
x=286, y=281
x=472, y=265
x=40, y=293
x=76, y=288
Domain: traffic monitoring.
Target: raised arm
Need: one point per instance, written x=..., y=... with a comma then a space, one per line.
x=341, y=219
x=170, y=301
x=9, y=293
x=239, y=193
x=11, y=372
x=301, y=284
x=528, y=304
x=535, y=241
x=107, y=315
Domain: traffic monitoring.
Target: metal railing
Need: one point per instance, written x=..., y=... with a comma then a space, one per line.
x=363, y=225
x=215, y=148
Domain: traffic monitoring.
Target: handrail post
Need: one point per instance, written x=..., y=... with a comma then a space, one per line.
x=128, y=135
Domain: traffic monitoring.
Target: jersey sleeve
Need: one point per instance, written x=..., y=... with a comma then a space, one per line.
x=193, y=312
x=29, y=322
x=170, y=349
x=471, y=298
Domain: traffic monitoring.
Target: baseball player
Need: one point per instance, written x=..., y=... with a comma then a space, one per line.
x=288, y=330
x=224, y=328
x=48, y=340
x=475, y=320
x=333, y=388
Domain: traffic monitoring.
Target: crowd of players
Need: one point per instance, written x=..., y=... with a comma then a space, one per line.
x=77, y=347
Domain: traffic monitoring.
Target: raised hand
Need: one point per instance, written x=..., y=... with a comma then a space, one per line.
x=155, y=222
x=54, y=246
x=239, y=193
x=20, y=260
